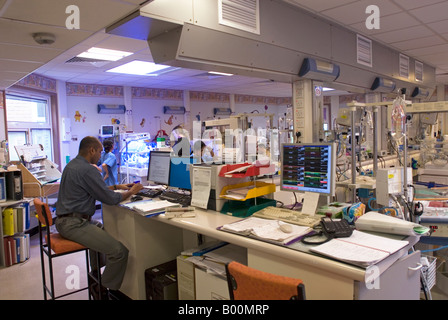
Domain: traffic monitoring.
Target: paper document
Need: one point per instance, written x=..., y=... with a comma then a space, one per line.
x=360, y=248
x=266, y=229
x=238, y=170
x=238, y=193
x=147, y=207
x=200, y=187
x=310, y=203
x=377, y=222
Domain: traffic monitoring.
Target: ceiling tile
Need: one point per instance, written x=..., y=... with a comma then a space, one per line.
x=319, y=5
x=18, y=32
x=19, y=66
x=27, y=53
x=418, y=43
x=439, y=26
x=389, y=23
x=427, y=50
x=408, y=34
x=413, y=4
x=436, y=58
x=356, y=12
x=431, y=13
x=94, y=15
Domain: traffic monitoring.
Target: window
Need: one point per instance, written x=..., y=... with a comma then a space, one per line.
x=29, y=122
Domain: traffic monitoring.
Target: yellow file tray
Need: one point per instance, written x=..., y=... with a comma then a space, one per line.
x=256, y=189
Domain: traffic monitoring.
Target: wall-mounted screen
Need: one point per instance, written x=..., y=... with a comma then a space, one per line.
x=308, y=167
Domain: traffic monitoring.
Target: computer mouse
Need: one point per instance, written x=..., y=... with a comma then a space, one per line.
x=286, y=228
x=136, y=198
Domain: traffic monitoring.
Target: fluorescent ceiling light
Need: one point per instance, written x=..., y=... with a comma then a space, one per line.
x=139, y=68
x=327, y=89
x=104, y=54
x=221, y=73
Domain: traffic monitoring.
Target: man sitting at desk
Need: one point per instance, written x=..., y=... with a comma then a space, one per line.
x=81, y=185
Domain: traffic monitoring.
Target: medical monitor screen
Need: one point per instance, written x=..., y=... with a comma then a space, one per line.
x=107, y=131
x=180, y=172
x=308, y=167
x=159, y=167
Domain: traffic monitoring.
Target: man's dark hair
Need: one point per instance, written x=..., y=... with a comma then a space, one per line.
x=87, y=143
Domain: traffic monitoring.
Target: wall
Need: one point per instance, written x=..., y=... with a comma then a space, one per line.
x=147, y=110
x=85, y=120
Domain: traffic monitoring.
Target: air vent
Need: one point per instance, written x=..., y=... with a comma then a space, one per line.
x=240, y=14
x=364, y=50
x=84, y=61
x=418, y=71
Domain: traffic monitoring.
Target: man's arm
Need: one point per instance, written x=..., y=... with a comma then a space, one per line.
x=131, y=189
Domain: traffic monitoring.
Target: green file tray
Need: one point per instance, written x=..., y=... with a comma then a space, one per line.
x=246, y=208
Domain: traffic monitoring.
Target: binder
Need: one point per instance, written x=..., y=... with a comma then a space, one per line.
x=8, y=221
x=2, y=189
x=14, y=186
x=7, y=251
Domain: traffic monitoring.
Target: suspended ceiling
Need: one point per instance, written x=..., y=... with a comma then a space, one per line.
x=418, y=28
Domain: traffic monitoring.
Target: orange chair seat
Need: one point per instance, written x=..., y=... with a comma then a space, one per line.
x=61, y=245
x=252, y=284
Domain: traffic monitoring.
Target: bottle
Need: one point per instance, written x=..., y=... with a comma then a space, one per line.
x=398, y=119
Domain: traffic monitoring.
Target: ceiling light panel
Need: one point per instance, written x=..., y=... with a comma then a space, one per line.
x=104, y=54
x=140, y=68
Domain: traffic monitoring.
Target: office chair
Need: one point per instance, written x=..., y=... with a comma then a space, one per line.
x=55, y=246
x=246, y=283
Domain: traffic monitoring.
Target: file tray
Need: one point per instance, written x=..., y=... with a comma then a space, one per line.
x=242, y=170
x=246, y=208
x=247, y=190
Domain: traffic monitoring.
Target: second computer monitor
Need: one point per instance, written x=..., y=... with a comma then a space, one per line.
x=180, y=172
x=159, y=167
x=308, y=167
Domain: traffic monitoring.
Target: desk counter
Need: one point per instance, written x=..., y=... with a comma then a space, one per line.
x=152, y=241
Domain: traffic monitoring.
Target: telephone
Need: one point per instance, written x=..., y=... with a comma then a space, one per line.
x=336, y=229
x=330, y=229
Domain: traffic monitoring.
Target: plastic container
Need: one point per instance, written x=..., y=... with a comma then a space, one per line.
x=249, y=190
x=160, y=142
x=246, y=208
x=398, y=119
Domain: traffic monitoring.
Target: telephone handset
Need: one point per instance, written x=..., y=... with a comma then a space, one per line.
x=336, y=229
x=330, y=229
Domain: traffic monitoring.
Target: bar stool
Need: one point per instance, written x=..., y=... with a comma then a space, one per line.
x=56, y=246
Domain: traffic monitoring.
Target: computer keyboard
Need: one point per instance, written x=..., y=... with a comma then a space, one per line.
x=177, y=197
x=150, y=193
x=289, y=216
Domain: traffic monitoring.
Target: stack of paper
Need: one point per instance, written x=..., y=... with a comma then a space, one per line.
x=150, y=207
x=266, y=229
x=360, y=248
x=377, y=222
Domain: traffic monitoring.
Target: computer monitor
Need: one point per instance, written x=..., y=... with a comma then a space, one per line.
x=308, y=167
x=159, y=167
x=180, y=172
x=107, y=131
